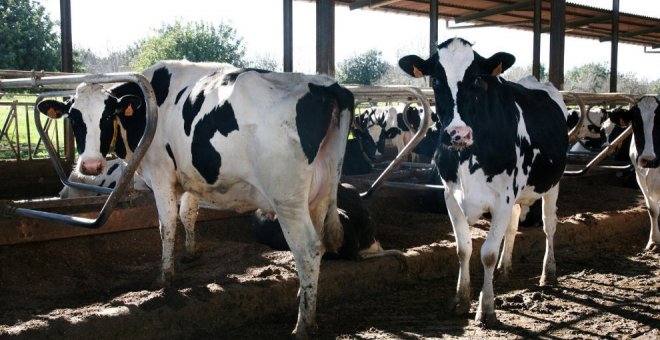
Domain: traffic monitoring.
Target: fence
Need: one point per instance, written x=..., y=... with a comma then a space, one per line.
x=19, y=139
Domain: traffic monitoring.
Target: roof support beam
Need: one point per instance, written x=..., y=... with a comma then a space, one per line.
x=325, y=37
x=370, y=3
x=615, y=46
x=557, y=39
x=287, y=11
x=536, y=44
x=493, y=11
x=67, y=66
x=584, y=22
x=633, y=33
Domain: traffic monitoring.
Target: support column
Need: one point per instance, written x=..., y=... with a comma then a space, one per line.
x=287, y=14
x=536, y=54
x=67, y=66
x=557, y=35
x=614, y=58
x=325, y=37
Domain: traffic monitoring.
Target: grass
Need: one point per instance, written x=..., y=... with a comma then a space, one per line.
x=23, y=124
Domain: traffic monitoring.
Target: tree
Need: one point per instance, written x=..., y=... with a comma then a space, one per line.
x=264, y=62
x=117, y=61
x=363, y=69
x=196, y=41
x=592, y=77
x=518, y=72
x=27, y=39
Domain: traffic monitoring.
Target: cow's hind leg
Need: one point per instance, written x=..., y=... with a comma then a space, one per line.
x=504, y=266
x=461, y=303
x=489, y=251
x=654, y=236
x=167, y=213
x=188, y=214
x=306, y=247
x=549, y=274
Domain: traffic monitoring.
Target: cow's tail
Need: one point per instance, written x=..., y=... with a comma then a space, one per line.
x=328, y=164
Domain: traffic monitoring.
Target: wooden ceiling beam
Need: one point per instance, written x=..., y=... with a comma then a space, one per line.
x=370, y=3
x=493, y=11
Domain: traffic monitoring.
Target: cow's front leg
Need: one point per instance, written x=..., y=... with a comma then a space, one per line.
x=501, y=217
x=504, y=266
x=166, y=203
x=307, y=249
x=461, y=303
x=188, y=213
x=654, y=236
x=549, y=274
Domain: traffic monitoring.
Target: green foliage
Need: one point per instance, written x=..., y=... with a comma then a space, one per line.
x=518, y=72
x=27, y=41
x=196, y=41
x=363, y=69
x=592, y=77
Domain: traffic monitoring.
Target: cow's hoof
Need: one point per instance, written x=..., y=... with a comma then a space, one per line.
x=486, y=320
x=460, y=307
x=503, y=274
x=304, y=333
x=653, y=247
x=548, y=280
x=164, y=280
x=191, y=257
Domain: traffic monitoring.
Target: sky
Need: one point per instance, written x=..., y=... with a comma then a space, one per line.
x=105, y=26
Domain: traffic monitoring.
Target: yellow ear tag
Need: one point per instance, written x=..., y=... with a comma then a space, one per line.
x=497, y=71
x=416, y=72
x=51, y=113
x=129, y=110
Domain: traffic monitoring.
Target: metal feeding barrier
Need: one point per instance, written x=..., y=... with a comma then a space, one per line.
x=388, y=93
x=602, y=99
x=67, y=82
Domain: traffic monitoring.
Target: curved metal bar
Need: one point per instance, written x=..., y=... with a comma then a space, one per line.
x=140, y=150
x=405, y=117
x=390, y=92
x=604, y=153
x=54, y=157
x=572, y=135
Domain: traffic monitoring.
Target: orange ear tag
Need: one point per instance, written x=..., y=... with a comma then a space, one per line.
x=51, y=113
x=497, y=71
x=417, y=73
x=129, y=110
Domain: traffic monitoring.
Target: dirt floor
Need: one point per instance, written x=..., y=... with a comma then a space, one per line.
x=100, y=286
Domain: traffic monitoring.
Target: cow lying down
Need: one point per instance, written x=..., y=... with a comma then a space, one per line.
x=107, y=179
x=359, y=231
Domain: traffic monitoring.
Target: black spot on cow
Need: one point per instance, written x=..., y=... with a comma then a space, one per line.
x=178, y=95
x=205, y=158
x=112, y=185
x=170, y=153
x=135, y=123
x=102, y=182
x=112, y=169
x=230, y=78
x=191, y=108
x=314, y=112
x=79, y=129
x=161, y=84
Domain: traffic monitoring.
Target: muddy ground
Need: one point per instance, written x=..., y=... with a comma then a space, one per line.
x=100, y=286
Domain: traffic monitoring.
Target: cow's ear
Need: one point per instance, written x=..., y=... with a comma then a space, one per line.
x=128, y=104
x=498, y=63
x=414, y=66
x=53, y=108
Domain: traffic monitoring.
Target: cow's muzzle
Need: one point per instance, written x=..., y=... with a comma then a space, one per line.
x=648, y=162
x=92, y=167
x=460, y=137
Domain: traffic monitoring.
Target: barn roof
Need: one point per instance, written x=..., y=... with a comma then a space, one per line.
x=581, y=21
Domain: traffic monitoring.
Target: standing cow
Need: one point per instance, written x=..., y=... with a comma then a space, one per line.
x=645, y=119
x=501, y=144
x=237, y=138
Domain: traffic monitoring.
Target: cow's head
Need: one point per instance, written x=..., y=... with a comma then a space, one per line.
x=95, y=115
x=645, y=119
x=460, y=79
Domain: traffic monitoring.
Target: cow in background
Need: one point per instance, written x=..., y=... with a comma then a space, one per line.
x=502, y=144
x=643, y=151
x=387, y=124
x=236, y=138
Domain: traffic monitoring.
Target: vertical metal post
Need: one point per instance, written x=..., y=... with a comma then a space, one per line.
x=433, y=24
x=287, y=11
x=614, y=59
x=536, y=58
x=557, y=35
x=67, y=66
x=325, y=37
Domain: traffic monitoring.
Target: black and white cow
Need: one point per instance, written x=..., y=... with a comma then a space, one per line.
x=385, y=123
x=236, y=138
x=502, y=144
x=644, y=147
x=108, y=179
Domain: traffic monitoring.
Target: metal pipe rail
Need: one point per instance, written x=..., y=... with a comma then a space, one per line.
x=6, y=209
x=363, y=92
